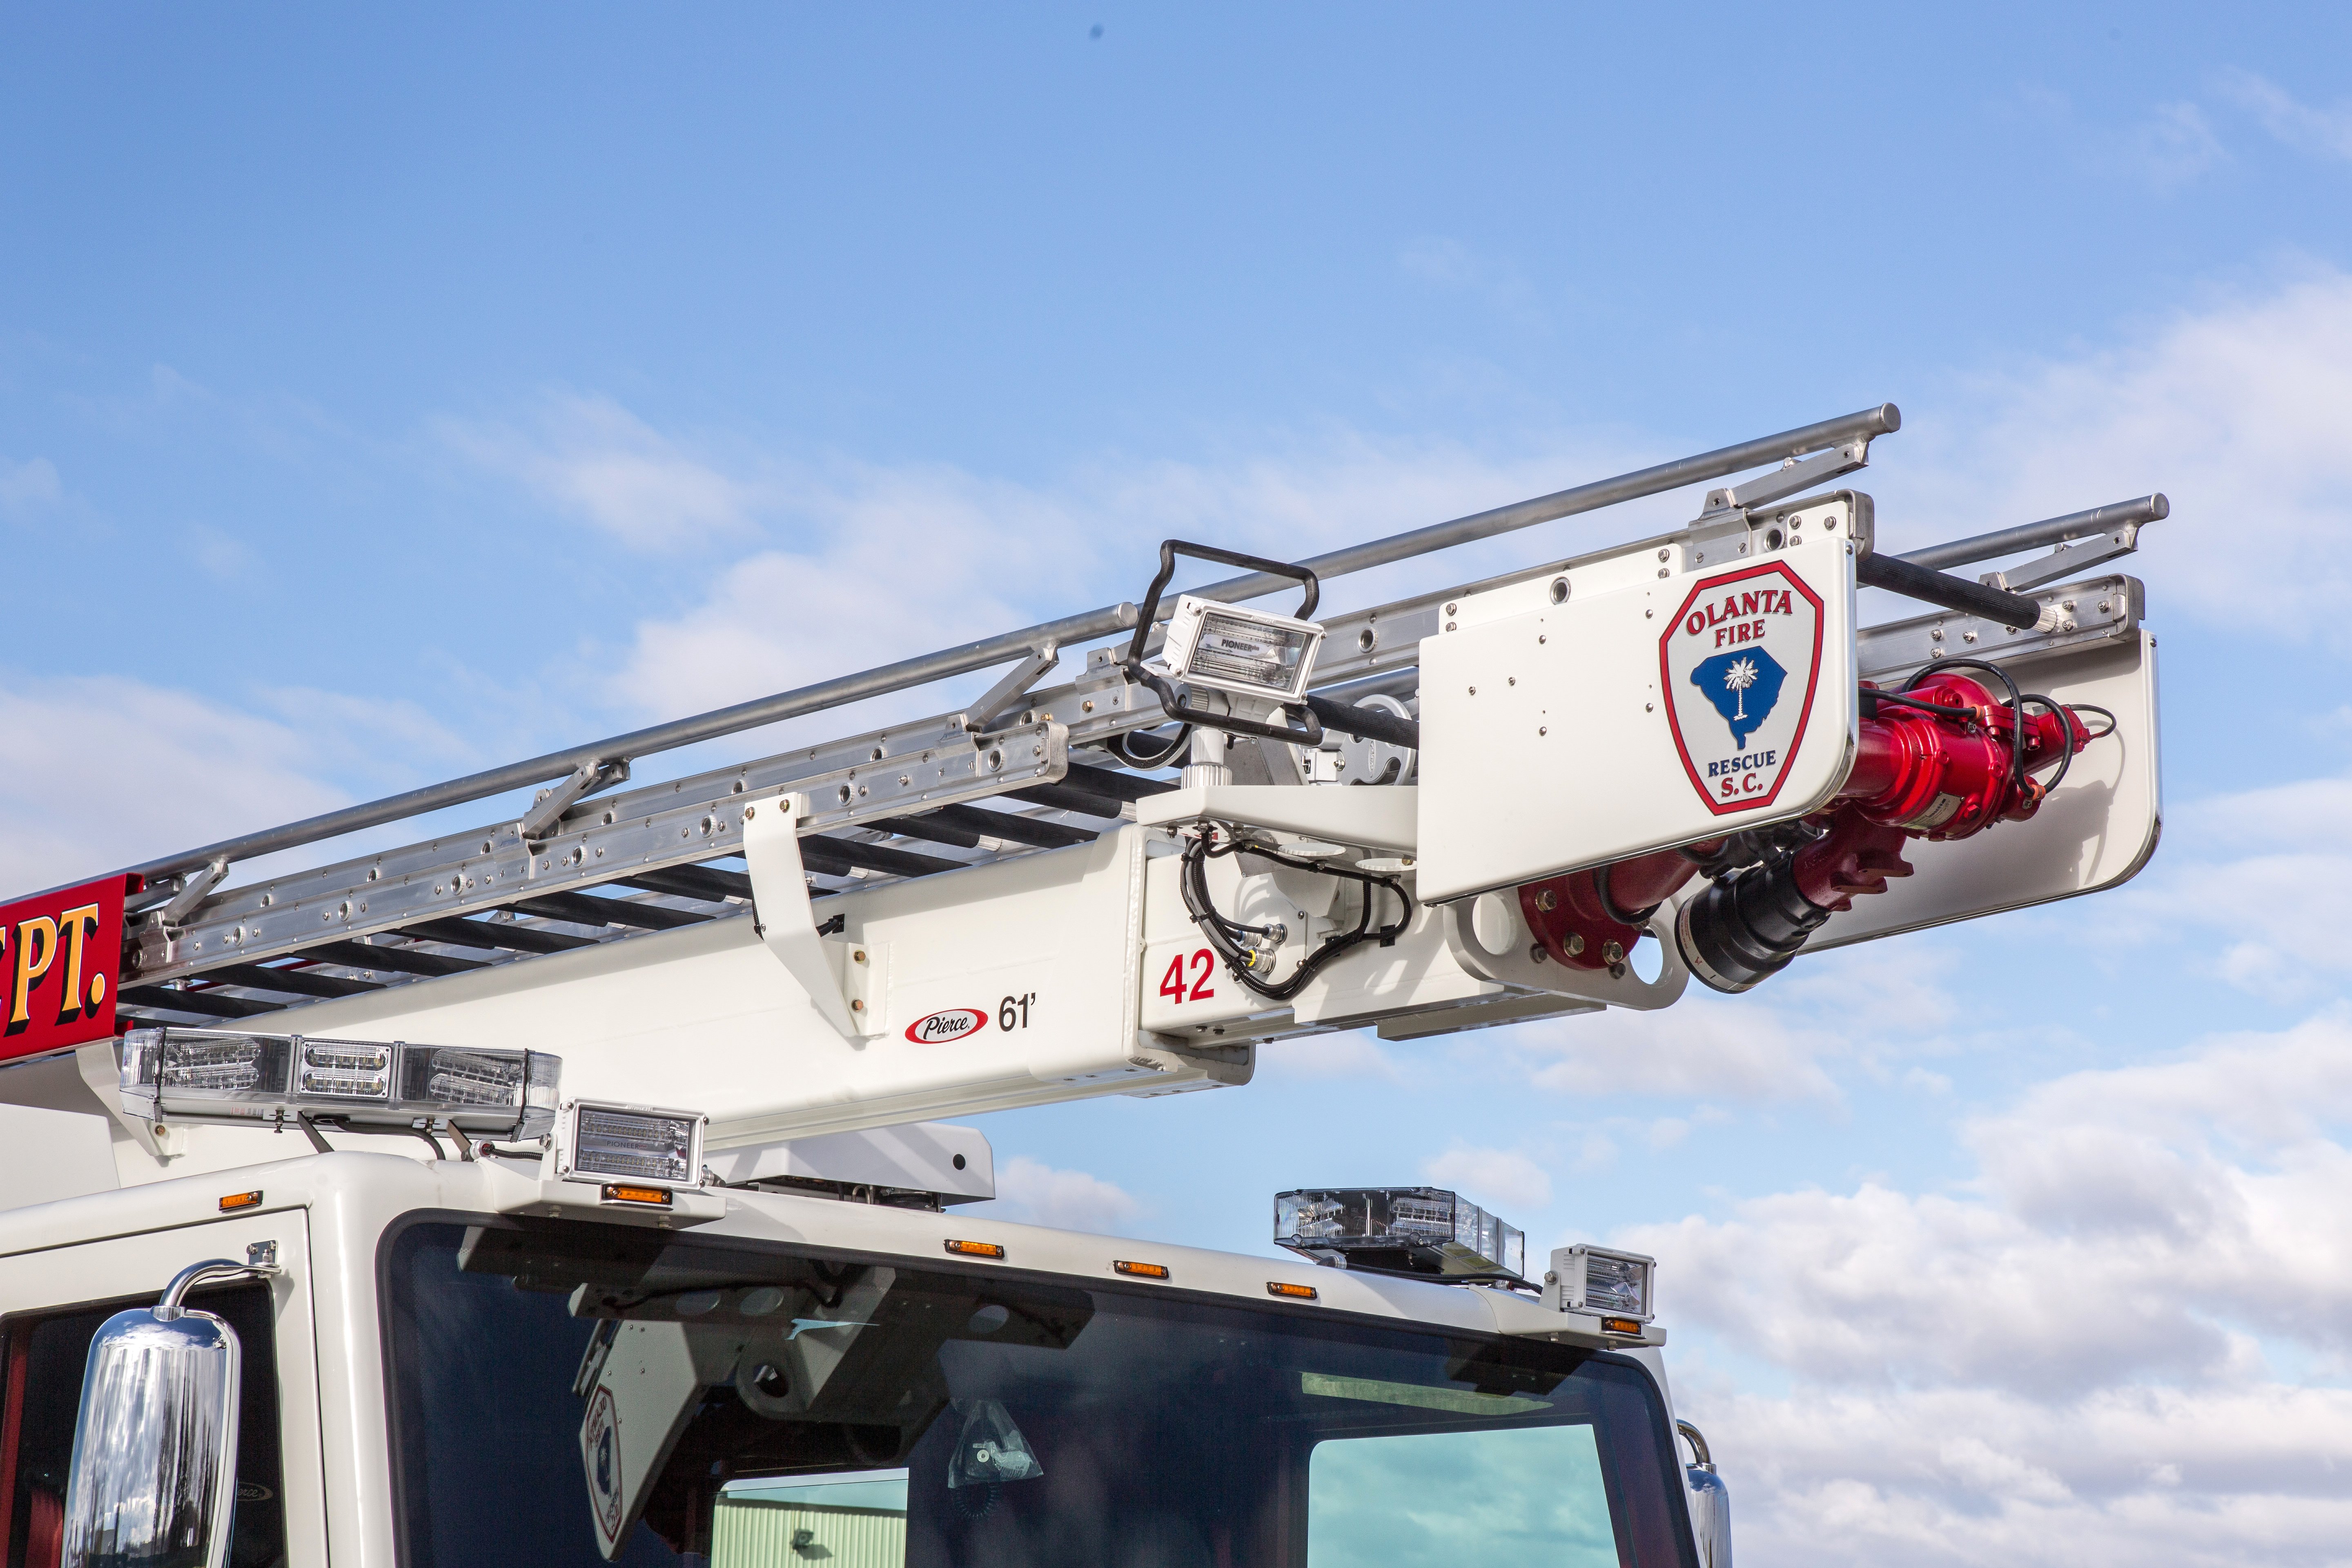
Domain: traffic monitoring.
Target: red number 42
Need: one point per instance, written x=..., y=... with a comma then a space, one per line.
x=1172, y=984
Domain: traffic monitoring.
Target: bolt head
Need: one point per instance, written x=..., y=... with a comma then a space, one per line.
x=1575, y=944
x=1612, y=952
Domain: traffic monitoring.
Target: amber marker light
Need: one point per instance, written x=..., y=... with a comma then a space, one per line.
x=1620, y=1326
x=623, y=1192
x=1140, y=1271
x=1289, y=1293
x=975, y=1249
x=236, y=1201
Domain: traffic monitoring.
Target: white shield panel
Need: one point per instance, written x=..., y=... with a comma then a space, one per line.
x=1662, y=696
x=1739, y=666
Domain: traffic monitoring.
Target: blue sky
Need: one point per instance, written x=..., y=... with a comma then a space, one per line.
x=387, y=394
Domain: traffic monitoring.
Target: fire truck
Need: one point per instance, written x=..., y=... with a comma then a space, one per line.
x=572, y=1189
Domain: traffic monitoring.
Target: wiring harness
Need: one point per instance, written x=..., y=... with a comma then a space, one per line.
x=1249, y=951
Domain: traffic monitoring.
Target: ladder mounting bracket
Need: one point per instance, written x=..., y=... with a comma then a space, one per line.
x=844, y=979
x=556, y=799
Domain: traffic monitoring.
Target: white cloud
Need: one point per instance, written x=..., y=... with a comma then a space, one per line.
x=1033, y=1192
x=1355, y=1053
x=2166, y=148
x=1778, y=1043
x=2234, y=411
x=102, y=772
x=2326, y=131
x=898, y=562
x=592, y=457
x=27, y=485
x=2174, y=145
x=1497, y=1178
x=2253, y=885
x=2089, y=1353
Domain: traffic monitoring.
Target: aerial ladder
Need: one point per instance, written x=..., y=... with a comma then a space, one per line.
x=653, y=1032
x=1575, y=785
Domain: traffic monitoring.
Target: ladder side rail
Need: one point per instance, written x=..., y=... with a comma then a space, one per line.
x=876, y=682
x=1787, y=445
x=456, y=876
x=2050, y=531
x=1366, y=649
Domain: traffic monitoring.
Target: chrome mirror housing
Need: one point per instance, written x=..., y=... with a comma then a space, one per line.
x=153, y=1476
x=1710, y=1502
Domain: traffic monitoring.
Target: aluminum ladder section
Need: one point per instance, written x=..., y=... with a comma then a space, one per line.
x=1019, y=772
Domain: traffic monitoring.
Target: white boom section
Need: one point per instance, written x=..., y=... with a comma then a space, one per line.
x=1080, y=970
x=1654, y=695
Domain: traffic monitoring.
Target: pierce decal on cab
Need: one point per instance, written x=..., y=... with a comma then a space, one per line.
x=947, y=1024
x=1738, y=667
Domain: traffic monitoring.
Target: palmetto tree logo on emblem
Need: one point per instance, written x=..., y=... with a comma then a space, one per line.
x=1738, y=679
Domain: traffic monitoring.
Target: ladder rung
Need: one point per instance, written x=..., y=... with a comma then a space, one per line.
x=288, y=982
x=1002, y=824
x=1112, y=784
x=931, y=827
x=1066, y=797
x=706, y=882
x=579, y=909
x=488, y=937
x=209, y=1003
x=400, y=960
x=837, y=857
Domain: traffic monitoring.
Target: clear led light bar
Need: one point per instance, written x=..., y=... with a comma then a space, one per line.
x=630, y=1144
x=1239, y=650
x=232, y=1076
x=1427, y=1232
x=1599, y=1280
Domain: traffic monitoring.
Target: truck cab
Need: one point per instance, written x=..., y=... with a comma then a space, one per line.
x=444, y=1361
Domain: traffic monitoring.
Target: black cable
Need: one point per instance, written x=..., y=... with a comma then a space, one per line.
x=1214, y=925
x=1941, y=709
x=1122, y=747
x=2065, y=739
x=1609, y=904
x=2113, y=722
x=2016, y=707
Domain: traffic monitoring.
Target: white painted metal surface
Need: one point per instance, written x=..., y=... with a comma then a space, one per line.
x=2095, y=830
x=1549, y=741
x=1010, y=984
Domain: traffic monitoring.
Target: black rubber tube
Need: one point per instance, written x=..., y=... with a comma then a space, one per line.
x=1898, y=576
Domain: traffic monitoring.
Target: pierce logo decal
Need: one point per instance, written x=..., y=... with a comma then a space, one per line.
x=1738, y=667
x=947, y=1024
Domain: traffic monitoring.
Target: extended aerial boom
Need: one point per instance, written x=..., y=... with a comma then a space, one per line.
x=1465, y=808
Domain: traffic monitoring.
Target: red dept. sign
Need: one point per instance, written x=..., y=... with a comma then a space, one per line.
x=58, y=953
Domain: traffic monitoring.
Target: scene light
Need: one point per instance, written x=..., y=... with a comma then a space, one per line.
x=635, y=1145
x=1426, y=1232
x=1232, y=649
x=1601, y=1281
x=233, y=1075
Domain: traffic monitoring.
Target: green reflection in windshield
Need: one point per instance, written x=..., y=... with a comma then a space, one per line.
x=1513, y=1494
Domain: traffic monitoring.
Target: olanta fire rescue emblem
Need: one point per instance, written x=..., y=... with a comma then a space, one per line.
x=1738, y=667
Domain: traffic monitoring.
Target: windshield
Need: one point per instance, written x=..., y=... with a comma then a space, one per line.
x=569, y=1394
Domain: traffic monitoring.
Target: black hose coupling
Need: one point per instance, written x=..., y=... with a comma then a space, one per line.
x=1743, y=928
